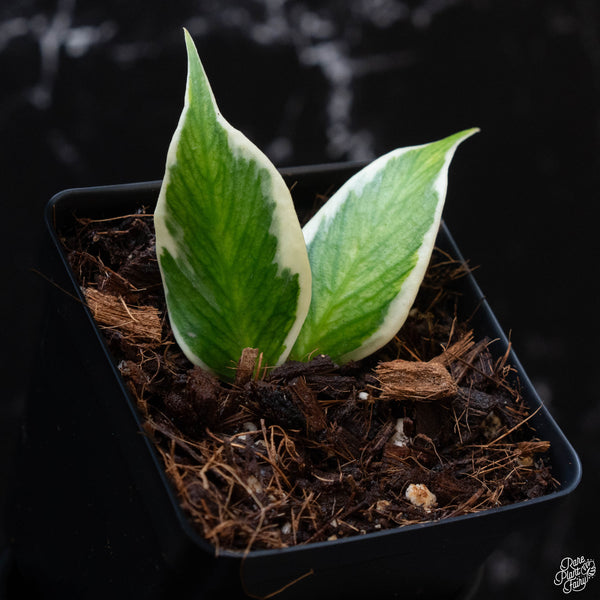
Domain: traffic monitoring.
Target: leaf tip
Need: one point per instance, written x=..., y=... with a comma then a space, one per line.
x=462, y=135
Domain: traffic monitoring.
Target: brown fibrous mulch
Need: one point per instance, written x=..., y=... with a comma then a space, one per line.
x=431, y=426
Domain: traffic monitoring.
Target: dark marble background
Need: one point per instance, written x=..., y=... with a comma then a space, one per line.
x=90, y=94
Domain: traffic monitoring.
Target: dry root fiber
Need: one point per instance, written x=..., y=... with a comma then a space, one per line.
x=433, y=426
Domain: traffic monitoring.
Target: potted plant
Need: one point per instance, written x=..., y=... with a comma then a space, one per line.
x=334, y=475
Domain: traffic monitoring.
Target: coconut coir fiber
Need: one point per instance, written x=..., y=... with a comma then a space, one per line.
x=431, y=426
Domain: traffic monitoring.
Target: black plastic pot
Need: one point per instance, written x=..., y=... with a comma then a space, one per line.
x=94, y=515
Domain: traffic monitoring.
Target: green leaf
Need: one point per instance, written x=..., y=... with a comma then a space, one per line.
x=230, y=247
x=369, y=247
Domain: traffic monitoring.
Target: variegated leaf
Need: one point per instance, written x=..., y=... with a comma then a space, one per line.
x=230, y=248
x=369, y=247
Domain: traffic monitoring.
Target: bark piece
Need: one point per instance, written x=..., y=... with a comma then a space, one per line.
x=141, y=323
x=309, y=405
x=411, y=380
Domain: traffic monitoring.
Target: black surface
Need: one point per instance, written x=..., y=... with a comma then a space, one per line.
x=90, y=95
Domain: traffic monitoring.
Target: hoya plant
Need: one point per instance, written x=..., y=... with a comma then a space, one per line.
x=240, y=272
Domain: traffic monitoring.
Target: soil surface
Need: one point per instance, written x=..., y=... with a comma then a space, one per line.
x=431, y=426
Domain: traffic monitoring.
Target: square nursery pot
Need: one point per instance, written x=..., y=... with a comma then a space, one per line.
x=94, y=515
